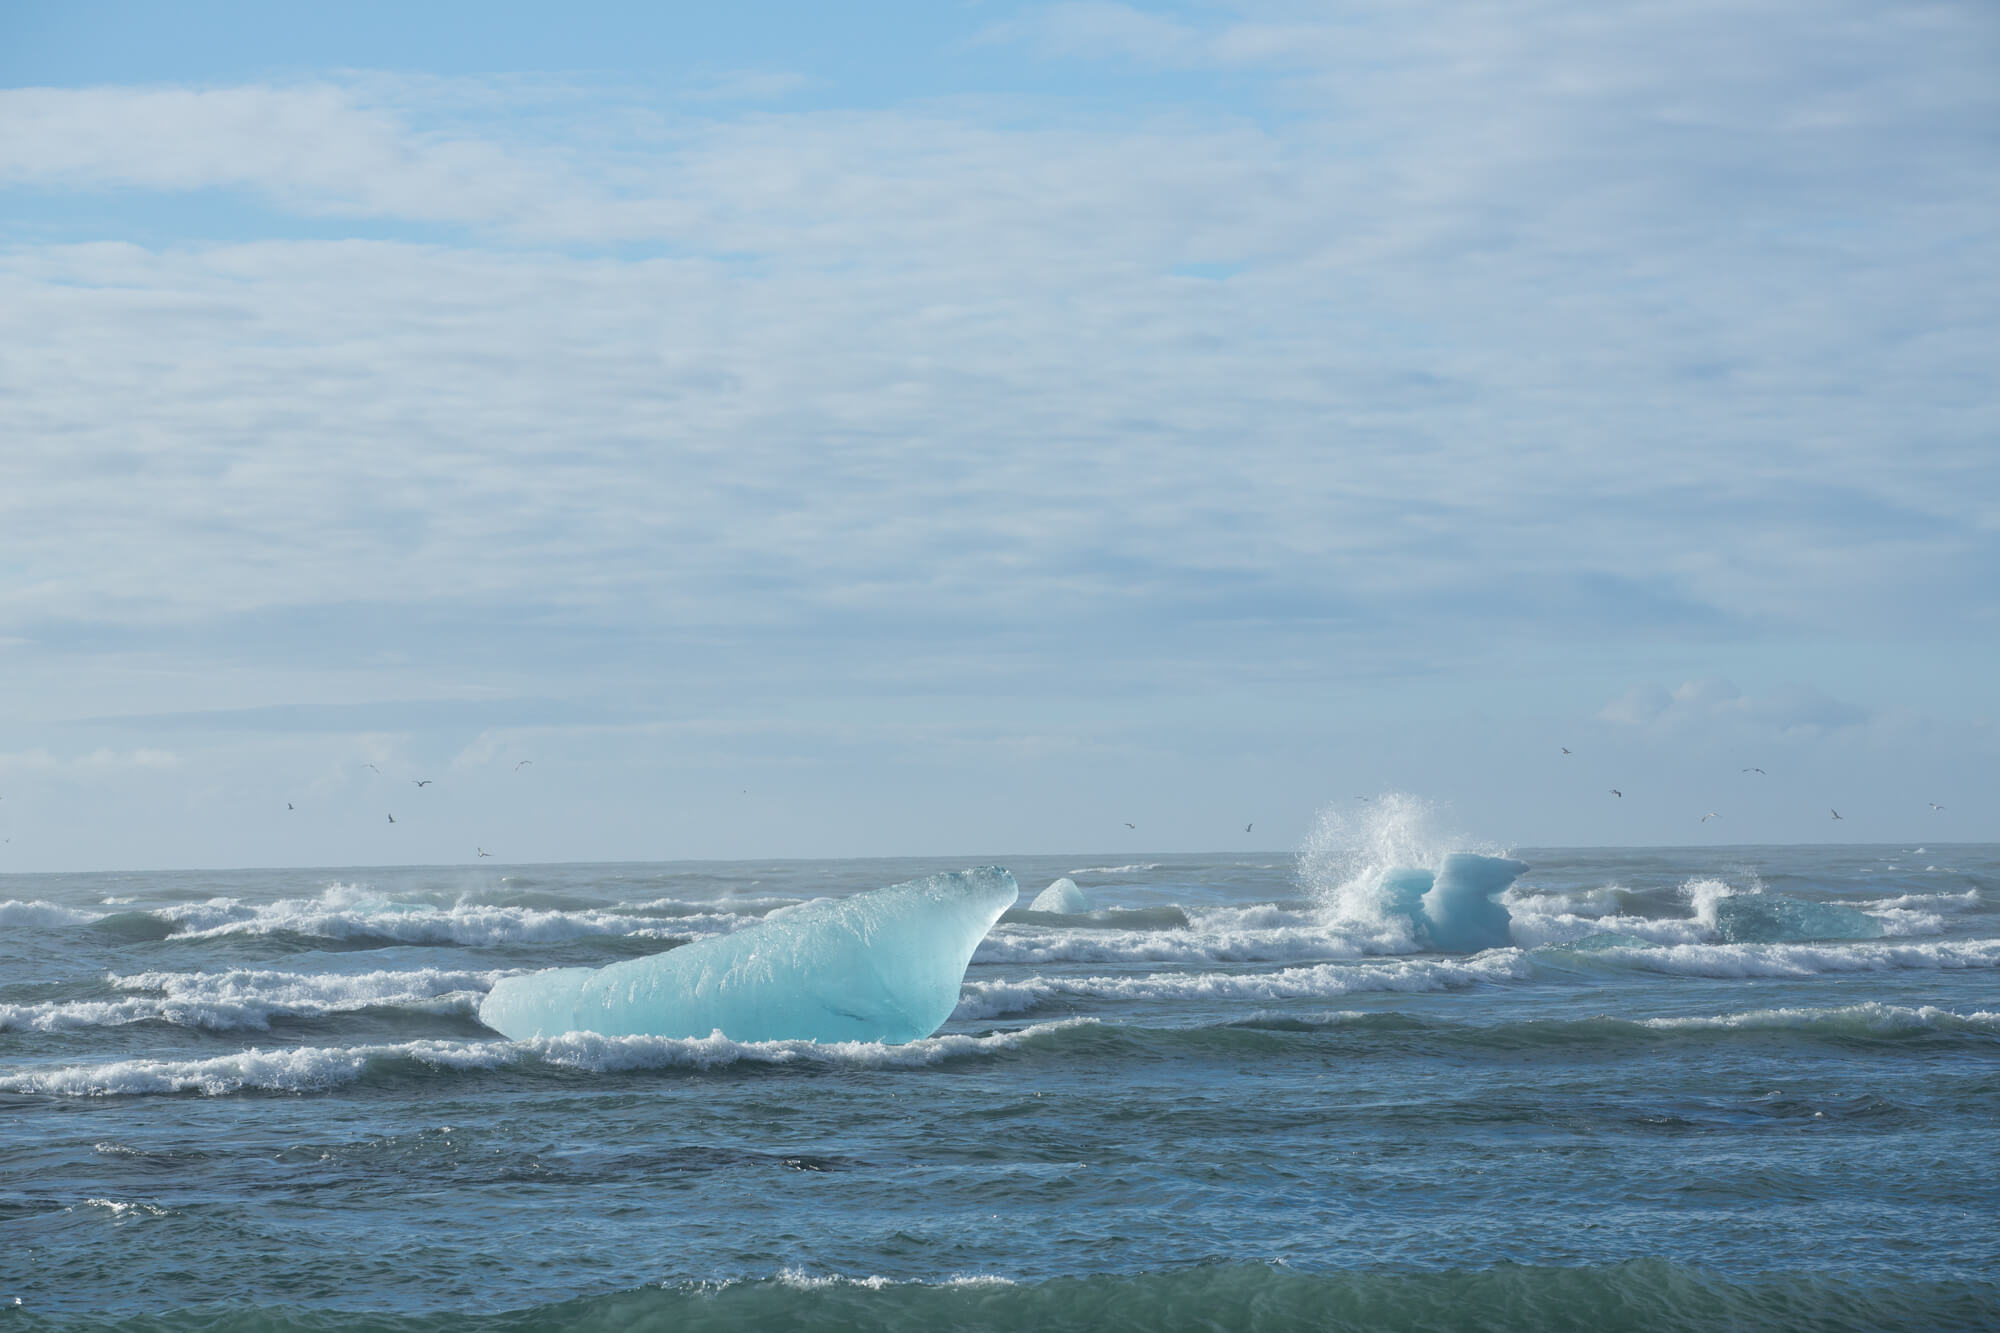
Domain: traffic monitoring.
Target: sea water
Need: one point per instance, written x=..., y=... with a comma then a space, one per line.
x=1757, y=1086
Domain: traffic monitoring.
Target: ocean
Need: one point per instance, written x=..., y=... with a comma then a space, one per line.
x=1745, y=1087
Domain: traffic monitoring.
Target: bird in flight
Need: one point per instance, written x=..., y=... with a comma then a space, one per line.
x=288, y=805
x=523, y=764
x=1131, y=826
x=1565, y=749
x=1710, y=815
x=423, y=782
x=1619, y=794
x=372, y=768
x=392, y=819
x=1756, y=770
x=482, y=851
x=1247, y=827
x=1933, y=805
x=1836, y=813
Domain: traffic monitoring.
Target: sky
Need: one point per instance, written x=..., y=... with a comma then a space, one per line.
x=968, y=429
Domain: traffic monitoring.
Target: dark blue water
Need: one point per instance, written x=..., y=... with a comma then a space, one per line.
x=1736, y=1088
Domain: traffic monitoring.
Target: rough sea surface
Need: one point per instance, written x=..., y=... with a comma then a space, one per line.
x=1750, y=1087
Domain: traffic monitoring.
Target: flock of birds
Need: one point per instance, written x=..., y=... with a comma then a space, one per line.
x=1716, y=814
x=420, y=784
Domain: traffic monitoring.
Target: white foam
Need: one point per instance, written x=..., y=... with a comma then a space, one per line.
x=18, y=915
x=120, y=1210
x=1117, y=870
x=246, y=998
x=1804, y=960
x=317, y=1068
x=296, y=1069
x=1872, y=1017
x=1043, y=944
x=1937, y=902
x=599, y=1054
x=347, y=912
x=990, y=999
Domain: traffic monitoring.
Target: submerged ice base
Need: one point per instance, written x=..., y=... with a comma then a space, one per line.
x=879, y=966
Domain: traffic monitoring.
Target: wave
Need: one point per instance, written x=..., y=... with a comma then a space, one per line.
x=1731, y=961
x=18, y=915
x=1137, y=869
x=247, y=998
x=1629, y=1297
x=319, y=1068
x=991, y=999
x=345, y=912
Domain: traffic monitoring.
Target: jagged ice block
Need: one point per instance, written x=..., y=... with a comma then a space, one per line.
x=878, y=966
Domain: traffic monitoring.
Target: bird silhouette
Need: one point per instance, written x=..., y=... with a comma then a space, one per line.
x=1756, y=770
x=483, y=852
x=1131, y=826
x=1246, y=828
x=288, y=805
x=1933, y=805
x=1836, y=813
x=392, y=819
x=523, y=764
x=1619, y=794
x=372, y=768
x=423, y=782
x=1565, y=749
x=1710, y=815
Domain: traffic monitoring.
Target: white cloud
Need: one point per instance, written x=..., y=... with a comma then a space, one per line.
x=1787, y=709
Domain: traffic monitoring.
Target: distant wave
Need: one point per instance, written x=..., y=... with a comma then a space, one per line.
x=344, y=912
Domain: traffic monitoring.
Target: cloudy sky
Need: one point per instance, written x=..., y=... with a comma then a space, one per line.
x=957, y=430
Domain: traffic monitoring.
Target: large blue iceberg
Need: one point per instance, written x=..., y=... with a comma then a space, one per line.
x=879, y=966
x=1453, y=908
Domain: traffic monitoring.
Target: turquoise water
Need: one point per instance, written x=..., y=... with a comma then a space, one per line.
x=1740, y=1088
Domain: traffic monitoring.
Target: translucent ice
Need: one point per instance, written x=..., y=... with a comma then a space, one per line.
x=1452, y=907
x=879, y=966
x=1460, y=915
x=1061, y=896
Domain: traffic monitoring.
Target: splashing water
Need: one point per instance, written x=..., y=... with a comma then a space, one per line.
x=1372, y=865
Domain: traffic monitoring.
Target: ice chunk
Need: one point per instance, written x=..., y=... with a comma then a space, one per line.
x=1459, y=914
x=879, y=966
x=1061, y=896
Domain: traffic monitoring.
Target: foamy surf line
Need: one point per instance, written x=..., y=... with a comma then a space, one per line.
x=990, y=999
x=321, y=1068
x=1727, y=961
x=251, y=998
x=1869, y=1019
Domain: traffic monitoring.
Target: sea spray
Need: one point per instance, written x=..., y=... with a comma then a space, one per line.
x=1384, y=870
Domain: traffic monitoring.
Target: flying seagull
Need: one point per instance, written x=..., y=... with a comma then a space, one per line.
x=1756, y=770
x=483, y=852
x=1619, y=794
x=523, y=764
x=1836, y=813
x=423, y=782
x=1565, y=749
x=288, y=805
x=392, y=819
x=1933, y=805
x=1131, y=826
x=1710, y=815
x=371, y=766
x=1246, y=827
